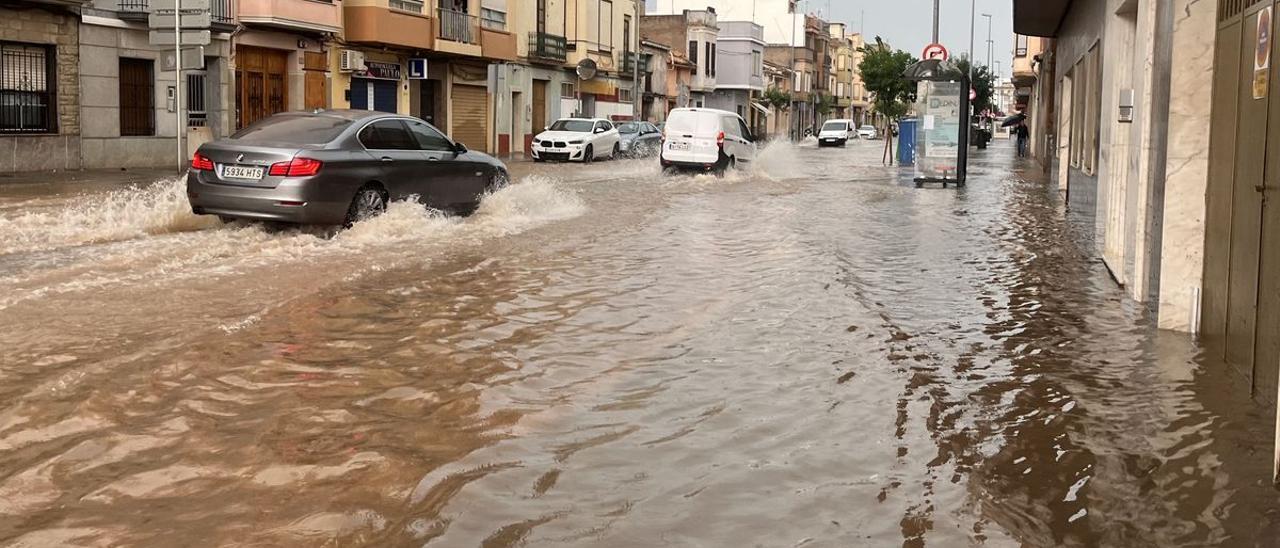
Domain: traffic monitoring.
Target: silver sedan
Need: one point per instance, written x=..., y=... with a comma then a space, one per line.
x=335, y=167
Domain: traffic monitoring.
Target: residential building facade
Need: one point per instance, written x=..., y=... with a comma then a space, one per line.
x=693, y=34
x=654, y=105
x=778, y=77
x=844, y=69
x=40, y=119
x=740, y=74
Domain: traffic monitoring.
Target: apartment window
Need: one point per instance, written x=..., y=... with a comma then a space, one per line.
x=711, y=59
x=624, y=96
x=1020, y=49
x=756, y=65
x=626, y=35
x=840, y=89
x=601, y=33
x=1086, y=102
x=27, y=84
x=137, y=97
x=693, y=52
x=493, y=19
x=567, y=91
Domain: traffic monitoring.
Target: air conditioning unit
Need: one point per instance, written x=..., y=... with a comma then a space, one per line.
x=351, y=60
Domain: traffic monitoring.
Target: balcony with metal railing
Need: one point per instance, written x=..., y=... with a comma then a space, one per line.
x=548, y=48
x=456, y=26
x=221, y=12
x=627, y=62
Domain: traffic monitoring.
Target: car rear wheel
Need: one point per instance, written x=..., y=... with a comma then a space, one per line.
x=368, y=203
x=617, y=148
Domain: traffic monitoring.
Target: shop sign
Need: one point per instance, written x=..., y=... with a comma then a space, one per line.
x=381, y=71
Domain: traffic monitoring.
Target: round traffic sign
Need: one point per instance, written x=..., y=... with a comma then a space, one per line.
x=935, y=51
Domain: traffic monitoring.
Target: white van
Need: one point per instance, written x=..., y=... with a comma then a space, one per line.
x=705, y=139
x=837, y=132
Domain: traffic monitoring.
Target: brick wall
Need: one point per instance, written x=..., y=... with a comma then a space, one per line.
x=38, y=25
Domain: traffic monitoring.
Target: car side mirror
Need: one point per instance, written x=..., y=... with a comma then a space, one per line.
x=459, y=148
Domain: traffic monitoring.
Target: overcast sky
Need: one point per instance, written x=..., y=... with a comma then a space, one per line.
x=908, y=24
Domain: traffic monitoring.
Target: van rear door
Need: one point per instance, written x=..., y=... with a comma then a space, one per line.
x=691, y=137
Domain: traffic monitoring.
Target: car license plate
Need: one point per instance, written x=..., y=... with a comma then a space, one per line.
x=242, y=172
x=679, y=146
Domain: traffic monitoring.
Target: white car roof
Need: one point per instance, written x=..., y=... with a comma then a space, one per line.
x=708, y=110
x=584, y=120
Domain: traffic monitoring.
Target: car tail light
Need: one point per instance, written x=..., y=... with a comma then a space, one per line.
x=297, y=167
x=200, y=162
x=720, y=139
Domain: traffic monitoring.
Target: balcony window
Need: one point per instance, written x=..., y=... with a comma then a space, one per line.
x=411, y=6
x=27, y=99
x=756, y=65
x=600, y=24
x=493, y=14
x=1020, y=49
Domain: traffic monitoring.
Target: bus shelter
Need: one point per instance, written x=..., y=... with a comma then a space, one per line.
x=942, y=109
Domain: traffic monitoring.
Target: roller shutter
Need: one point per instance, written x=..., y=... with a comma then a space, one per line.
x=470, y=116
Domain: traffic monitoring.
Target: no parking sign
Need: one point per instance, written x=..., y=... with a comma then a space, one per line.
x=935, y=51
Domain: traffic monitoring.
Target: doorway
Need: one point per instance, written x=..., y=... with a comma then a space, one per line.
x=539, y=112
x=260, y=83
x=1241, y=306
x=517, y=116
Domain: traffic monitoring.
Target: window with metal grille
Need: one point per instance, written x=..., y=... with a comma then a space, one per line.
x=27, y=88
x=137, y=97
x=197, y=116
x=566, y=90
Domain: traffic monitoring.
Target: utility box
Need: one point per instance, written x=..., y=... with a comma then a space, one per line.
x=907, y=141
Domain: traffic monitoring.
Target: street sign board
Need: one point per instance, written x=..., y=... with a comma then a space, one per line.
x=170, y=5
x=417, y=69
x=190, y=20
x=935, y=51
x=189, y=38
x=192, y=59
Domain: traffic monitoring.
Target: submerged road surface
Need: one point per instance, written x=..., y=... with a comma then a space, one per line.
x=809, y=353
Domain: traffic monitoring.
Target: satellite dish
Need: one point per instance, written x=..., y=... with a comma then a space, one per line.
x=586, y=69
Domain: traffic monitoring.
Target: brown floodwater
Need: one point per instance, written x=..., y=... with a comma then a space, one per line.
x=812, y=353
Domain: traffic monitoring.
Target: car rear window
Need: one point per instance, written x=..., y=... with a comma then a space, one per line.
x=301, y=130
x=835, y=126
x=696, y=123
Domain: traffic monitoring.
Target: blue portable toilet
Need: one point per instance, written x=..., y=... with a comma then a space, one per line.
x=907, y=141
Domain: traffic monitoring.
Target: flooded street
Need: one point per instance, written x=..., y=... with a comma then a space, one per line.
x=810, y=353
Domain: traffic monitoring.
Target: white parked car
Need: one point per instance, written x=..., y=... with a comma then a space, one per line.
x=577, y=140
x=868, y=132
x=704, y=139
x=837, y=132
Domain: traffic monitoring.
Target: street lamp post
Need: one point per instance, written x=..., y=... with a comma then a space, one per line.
x=973, y=10
x=935, y=20
x=989, y=41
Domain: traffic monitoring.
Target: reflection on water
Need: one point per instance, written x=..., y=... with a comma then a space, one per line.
x=808, y=353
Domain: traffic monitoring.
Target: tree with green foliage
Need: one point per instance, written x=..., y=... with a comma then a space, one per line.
x=822, y=104
x=892, y=95
x=983, y=82
x=777, y=98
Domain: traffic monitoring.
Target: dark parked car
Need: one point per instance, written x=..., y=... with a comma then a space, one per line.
x=639, y=139
x=336, y=167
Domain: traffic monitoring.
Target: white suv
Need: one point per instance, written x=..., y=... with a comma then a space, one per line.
x=577, y=140
x=704, y=139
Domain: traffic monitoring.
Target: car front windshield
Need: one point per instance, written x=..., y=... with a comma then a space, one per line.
x=576, y=126
x=629, y=127
x=868, y=128
x=835, y=126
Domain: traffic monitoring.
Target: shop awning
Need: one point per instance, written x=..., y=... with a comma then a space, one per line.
x=760, y=108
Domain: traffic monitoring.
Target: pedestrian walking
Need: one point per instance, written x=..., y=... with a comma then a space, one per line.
x=1020, y=131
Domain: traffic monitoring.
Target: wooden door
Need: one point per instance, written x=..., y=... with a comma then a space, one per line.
x=315, y=90
x=137, y=97
x=471, y=116
x=539, y=105
x=261, y=88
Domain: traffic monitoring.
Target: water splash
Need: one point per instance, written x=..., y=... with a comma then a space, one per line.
x=124, y=214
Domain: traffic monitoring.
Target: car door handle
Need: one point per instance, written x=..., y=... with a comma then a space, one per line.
x=388, y=159
x=433, y=159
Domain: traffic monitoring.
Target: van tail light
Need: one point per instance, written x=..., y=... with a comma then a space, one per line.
x=720, y=139
x=200, y=162
x=297, y=167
